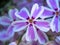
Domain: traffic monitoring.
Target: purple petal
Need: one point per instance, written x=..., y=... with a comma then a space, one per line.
x=3, y=36
x=12, y=13
x=54, y=24
x=35, y=10
x=6, y=35
x=4, y=20
x=58, y=23
x=10, y=30
x=42, y=37
x=30, y=34
x=53, y=3
x=19, y=25
x=43, y=25
x=23, y=14
x=45, y=14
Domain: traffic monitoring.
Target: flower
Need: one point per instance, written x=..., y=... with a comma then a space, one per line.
x=54, y=11
x=5, y=24
x=35, y=26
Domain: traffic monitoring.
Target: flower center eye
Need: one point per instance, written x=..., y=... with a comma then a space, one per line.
x=30, y=20
x=57, y=13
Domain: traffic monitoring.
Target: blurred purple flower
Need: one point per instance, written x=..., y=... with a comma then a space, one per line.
x=53, y=11
x=6, y=28
x=33, y=24
x=28, y=3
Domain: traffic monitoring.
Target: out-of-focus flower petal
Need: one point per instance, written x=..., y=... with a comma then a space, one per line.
x=53, y=3
x=13, y=43
x=54, y=24
x=58, y=23
x=47, y=13
x=36, y=11
x=43, y=25
x=6, y=35
x=10, y=30
x=19, y=25
x=12, y=13
x=30, y=34
x=42, y=37
x=23, y=14
x=4, y=20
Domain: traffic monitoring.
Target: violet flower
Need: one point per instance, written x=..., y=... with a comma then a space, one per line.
x=7, y=29
x=54, y=11
x=32, y=23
